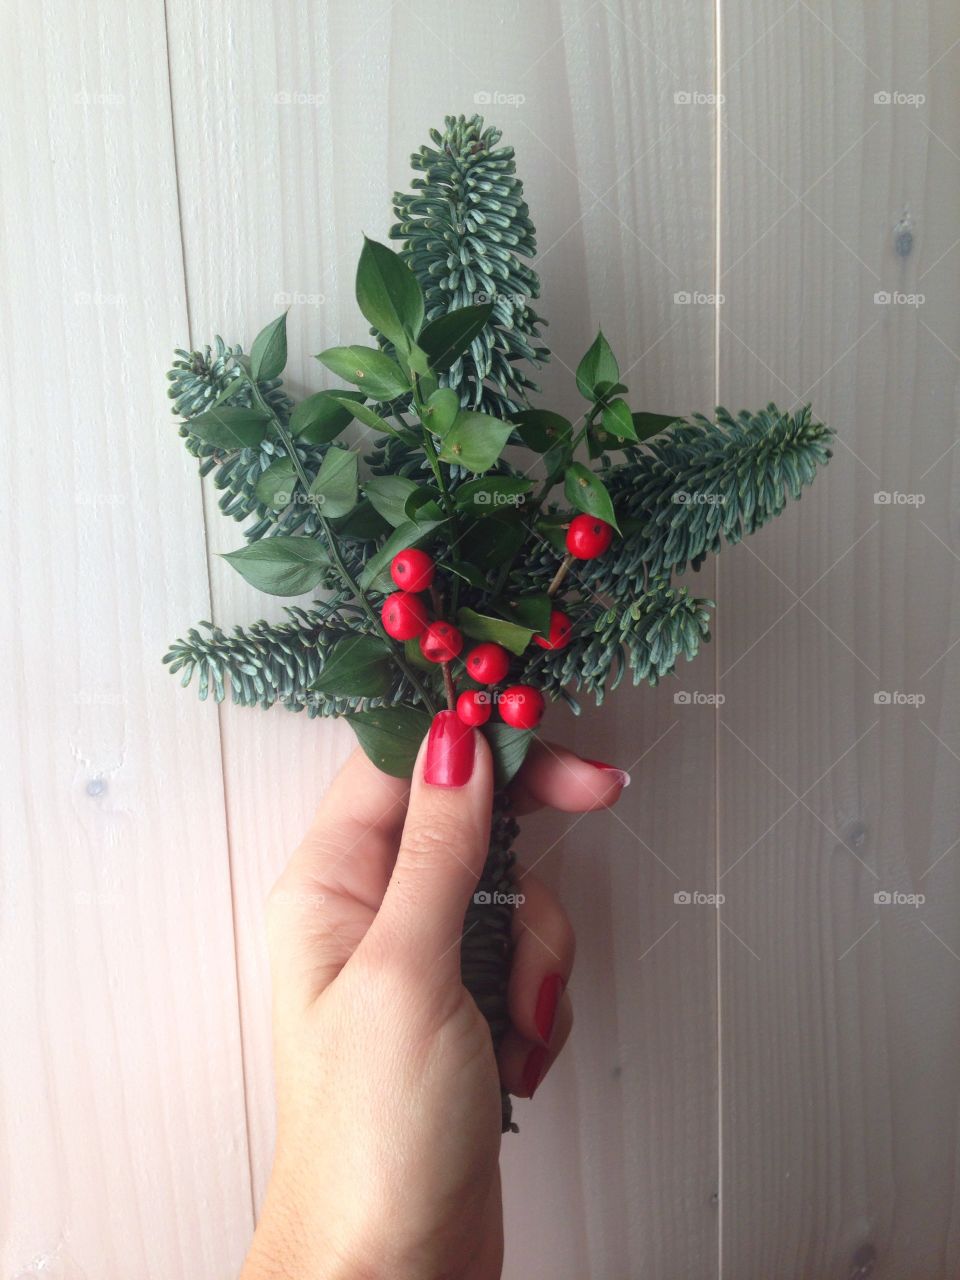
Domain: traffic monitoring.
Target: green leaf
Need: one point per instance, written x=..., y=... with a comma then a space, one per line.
x=468, y=572
x=598, y=369
x=231, y=427
x=391, y=736
x=475, y=440
x=268, y=355
x=481, y=626
x=586, y=492
x=321, y=417
x=414, y=656
x=388, y=293
x=508, y=748
x=539, y=429
x=230, y=390
x=335, y=484
x=388, y=494
x=366, y=415
x=651, y=424
x=447, y=337
x=286, y=566
x=617, y=420
x=276, y=485
x=553, y=529
x=530, y=611
x=376, y=571
x=490, y=493
x=441, y=411
x=380, y=377
x=494, y=539
x=357, y=667
x=363, y=524
x=423, y=504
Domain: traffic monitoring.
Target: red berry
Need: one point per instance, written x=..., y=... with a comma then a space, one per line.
x=521, y=706
x=441, y=642
x=588, y=537
x=474, y=706
x=559, y=636
x=412, y=570
x=403, y=615
x=488, y=663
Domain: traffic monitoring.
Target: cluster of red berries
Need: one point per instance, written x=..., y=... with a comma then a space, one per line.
x=405, y=617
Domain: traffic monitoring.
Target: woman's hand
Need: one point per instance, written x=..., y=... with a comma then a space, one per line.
x=388, y=1090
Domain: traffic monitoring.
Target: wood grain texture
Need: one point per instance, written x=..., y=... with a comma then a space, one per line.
x=300, y=134
x=839, y=1015
x=121, y=1096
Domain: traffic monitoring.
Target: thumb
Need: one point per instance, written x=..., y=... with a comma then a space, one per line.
x=442, y=848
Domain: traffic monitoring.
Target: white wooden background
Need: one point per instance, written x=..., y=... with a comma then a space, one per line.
x=768, y=1090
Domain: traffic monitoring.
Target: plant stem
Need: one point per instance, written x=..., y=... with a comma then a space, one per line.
x=345, y=574
x=446, y=497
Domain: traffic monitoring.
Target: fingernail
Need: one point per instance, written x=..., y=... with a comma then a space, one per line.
x=533, y=1070
x=545, y=1014
x=621, y=775
x=450, y=751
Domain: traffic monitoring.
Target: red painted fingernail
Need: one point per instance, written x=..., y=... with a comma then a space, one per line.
x=533, y=1070
x=450, y=751
x=551, y=989
x=621, y=775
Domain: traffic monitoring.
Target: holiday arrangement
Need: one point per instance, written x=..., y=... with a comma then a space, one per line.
x=484, y=554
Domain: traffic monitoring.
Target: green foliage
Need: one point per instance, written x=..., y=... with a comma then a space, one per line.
x=465, y=228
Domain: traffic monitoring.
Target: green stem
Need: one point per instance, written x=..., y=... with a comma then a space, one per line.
x=430, y=449
x=345, y=575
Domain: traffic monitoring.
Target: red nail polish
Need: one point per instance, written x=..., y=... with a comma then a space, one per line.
x=545, y=1014
x=621, y=775
x=533, y=1070
x=450, y=751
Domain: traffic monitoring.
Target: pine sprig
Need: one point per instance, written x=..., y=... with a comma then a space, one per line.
x=277, y=662
x=464, y=229
x=698, y=485
x=196, y=379
x=647, y=638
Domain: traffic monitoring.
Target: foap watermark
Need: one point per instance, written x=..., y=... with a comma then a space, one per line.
x=893, y=898
x=895, y=698
x=897, y=98
x=695, y=98
x=518, y=300
x=299, y=299
x=299, y=98
x=495, y=498
x=694, y=698
x=498, y=98
x=96, y=298
x=98, y=98
x=884, y=299
x=698, y=498
x=696, y=898
x=496, y=898
x=290, y=898
x=886, y=498
x=694, y=298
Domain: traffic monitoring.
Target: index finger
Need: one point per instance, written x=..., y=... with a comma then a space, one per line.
x=552, y=775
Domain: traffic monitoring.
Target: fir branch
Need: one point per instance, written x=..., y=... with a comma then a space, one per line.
x=464, y=229
x=695, y=487
x=277, y=662
x=647, y=637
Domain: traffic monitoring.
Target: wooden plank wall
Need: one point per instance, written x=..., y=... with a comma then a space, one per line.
x=765, y=1090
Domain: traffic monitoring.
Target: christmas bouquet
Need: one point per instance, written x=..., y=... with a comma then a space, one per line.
x=483, y=554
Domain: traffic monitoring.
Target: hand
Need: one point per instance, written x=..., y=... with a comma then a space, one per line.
x=388, y=1090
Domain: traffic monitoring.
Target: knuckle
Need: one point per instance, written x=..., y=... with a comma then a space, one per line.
x=425, y=845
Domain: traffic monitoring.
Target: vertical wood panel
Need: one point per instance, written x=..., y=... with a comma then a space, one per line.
x=840, y=1015
x=294, y=126
x=123, y=1137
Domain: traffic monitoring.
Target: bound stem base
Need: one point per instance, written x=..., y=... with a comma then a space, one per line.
x=487, y=945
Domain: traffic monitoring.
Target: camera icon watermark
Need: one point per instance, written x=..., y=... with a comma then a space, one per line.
x=497, y=98
x=883, y=698
x=883, y=298
x=695, y=98
x=896, y=98
x=698, y=498
x=695, y=298
x=886, y=498
x=497, y=898
x=892, y=898
x=697, y=898
x=694, y=698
